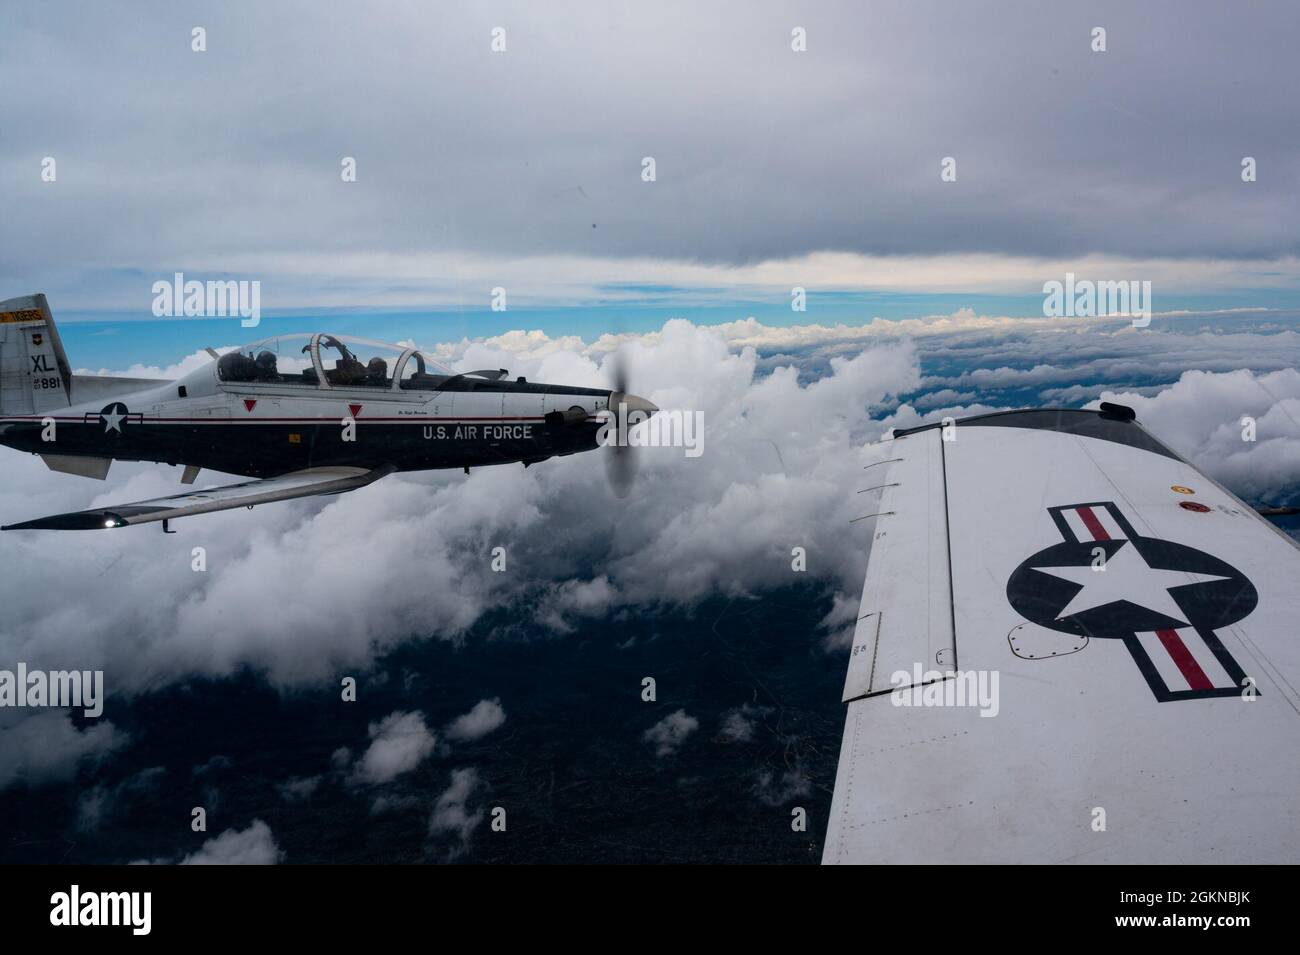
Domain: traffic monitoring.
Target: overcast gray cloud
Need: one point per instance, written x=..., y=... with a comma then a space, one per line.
x=230, y=159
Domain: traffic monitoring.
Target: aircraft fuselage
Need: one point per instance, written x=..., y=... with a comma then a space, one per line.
x=267, y=430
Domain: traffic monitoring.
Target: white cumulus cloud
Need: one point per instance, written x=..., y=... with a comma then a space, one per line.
x=453, y=814
x=670, y=732
x=486, y=716
x=398, y=743
x=252, y=846
x=1240, y=427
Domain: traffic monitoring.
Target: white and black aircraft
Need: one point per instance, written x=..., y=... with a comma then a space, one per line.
x=303, y=414
x=1136, y=623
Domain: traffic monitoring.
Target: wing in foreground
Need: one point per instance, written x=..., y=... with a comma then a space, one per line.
x=1072, y=646
x=305, y=483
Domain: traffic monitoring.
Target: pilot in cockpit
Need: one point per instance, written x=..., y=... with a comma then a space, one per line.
x=266, y=367
x=347, y=370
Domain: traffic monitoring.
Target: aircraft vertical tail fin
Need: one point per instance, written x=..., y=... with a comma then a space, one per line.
x=34, y=373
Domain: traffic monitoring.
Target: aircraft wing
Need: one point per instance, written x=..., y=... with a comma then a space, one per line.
x=1072, y=647
x=312, y=481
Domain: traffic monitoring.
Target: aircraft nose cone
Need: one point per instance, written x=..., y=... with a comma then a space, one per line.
x=631, y=403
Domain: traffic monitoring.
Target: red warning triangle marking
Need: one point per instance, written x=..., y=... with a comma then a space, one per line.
x=355, y=409
x=250, y=404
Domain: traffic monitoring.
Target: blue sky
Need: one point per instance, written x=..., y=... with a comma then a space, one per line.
x=114, y=339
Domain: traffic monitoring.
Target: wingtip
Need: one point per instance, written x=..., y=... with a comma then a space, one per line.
x=81, y=521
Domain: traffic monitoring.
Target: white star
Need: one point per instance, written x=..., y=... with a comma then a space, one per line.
x=112, y=421
x=1126, y=577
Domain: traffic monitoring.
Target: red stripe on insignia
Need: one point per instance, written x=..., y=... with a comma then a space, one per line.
x=1094, y=526
x=1187, y=665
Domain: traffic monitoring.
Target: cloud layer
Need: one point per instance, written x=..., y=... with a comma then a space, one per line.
x=279, y=595
x=789, y=418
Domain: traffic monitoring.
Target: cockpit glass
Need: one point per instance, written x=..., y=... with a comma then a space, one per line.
x=346, y=362
x=285, y=360
x=358, y=363
x=422, y=373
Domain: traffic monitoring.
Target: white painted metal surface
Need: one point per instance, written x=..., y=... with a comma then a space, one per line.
x=1080, y=738
x=906, y=609
x=305, y=483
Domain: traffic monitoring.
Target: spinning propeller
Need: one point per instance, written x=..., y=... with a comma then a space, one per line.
x=627, y=410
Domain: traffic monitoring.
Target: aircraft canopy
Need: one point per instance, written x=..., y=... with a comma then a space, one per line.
x=331, y=361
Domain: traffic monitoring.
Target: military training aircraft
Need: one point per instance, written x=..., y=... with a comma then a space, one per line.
x=1072, y=646
x=303, y=414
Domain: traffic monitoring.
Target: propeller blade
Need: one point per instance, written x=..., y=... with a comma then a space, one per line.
x=620, y=370
x=620, y=469
x=620, y=462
